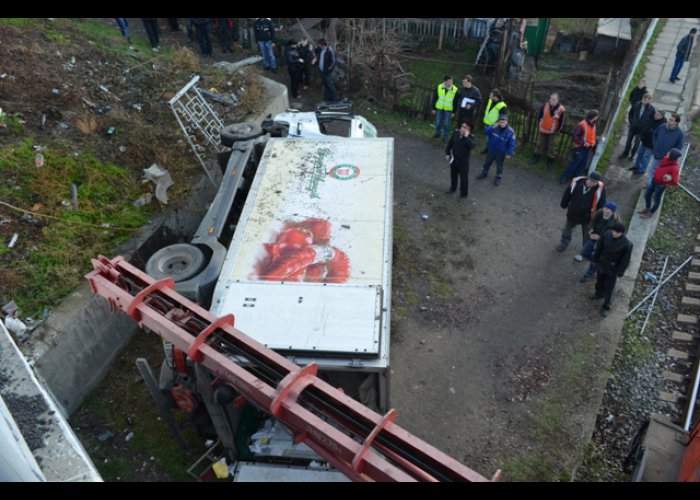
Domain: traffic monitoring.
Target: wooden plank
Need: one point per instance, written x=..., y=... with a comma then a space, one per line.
x=675, y=353
x=693, y=276
x=674, y=377
x=690, y=301
x=681, y=336
x=670, y=397
x=690, y=287
x=687, y=319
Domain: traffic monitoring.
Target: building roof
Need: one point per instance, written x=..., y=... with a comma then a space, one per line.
x=615, y=27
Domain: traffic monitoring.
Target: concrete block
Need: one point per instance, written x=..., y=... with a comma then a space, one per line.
x=674, y=377
x=693, y=276
x=689, y=287
x=681, y=336
x=690, y=301
x=695, y=263
x=697, y=249
x=675, y=353
x=688, y=319
x=669, y=397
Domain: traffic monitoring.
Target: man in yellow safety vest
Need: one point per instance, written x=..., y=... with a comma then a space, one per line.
x=444, y=106
x=493, y=110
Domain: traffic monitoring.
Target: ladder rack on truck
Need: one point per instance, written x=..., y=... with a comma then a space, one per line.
x=362, y=444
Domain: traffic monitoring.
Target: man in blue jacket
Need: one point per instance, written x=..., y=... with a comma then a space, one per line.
x=682, y=54
x=665, y=138
x=501, y=146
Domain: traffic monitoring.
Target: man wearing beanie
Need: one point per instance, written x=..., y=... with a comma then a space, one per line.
x=604, y=220
x=582, y=198
x=666, y=174
x=612, y=256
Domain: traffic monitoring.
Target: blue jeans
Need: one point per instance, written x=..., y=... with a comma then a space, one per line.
x=587, y=253
x=652, y=167
x=657, y=190
x=677, y=67
x=123, y=24
x=268, y=55
x=490, y=157
x=577, y=163
x=643, y=155
x=327, y=79
x=442, y=116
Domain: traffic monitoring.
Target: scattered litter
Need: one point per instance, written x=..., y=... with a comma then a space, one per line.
x=55, y=90
x=452, y=390
x=104, y=89
x=137, y=106
x=425, y=216
x=16, y=326
x=3, y=75
x=65, y=203
x=110, y=131
x=29, y=218
x=74, y=195
x=39, y=160
x=122, y=149
x=220, y=468
x=162, y=180
x=609, y=418
x=10, y=308
x=63, y=125
x=345, y=226
x=107, y=225
x=36, y=207
x=143, y=200
x=43, y=120
x=650, y=277
x=105, y=436
x=129, y=437
x=13, y=240
x=72, y=60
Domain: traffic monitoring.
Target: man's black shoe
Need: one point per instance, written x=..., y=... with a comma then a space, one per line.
x=482, y=175
x=604, y=312
x=497, y=181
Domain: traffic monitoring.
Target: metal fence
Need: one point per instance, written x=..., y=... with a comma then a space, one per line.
x=452, y=28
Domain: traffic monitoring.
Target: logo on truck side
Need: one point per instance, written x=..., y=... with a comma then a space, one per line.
x=344, y=172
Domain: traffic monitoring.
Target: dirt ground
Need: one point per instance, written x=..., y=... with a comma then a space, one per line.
x=485, y=371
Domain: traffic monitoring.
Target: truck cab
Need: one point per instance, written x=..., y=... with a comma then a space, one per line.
x=327, y=121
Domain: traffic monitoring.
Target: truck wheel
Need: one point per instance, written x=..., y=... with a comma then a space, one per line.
x=180, y=262
x=239, y=132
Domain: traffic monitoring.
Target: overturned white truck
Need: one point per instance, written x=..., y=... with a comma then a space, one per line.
x=297, y=245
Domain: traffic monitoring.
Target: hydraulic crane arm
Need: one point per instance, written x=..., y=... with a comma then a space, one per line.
x=362, y=444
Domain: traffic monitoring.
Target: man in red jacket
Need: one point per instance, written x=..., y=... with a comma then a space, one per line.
x=666, y=174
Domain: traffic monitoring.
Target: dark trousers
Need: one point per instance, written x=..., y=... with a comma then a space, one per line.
x=204, y=38
x=306, y=73
x=655, y=190
x=566, y=232
x=604, y=286
x=632, y=135
x=295, y=77
x=460, y=171
x=151, y=27
x=499, y=157
x=174, y=26
x=577, y=164
x=677, y=65
x=225, y=38
x=327, y=79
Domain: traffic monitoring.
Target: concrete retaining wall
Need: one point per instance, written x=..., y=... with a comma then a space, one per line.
x=75, y=347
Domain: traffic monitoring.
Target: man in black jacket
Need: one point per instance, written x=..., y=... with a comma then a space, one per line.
x=325, y=56
x=265, y=38
x=645, y=151
x=457, y=153
x=467, y=101
x=612, y=256
x=640, y=113
x=682, y=54
x=583, y=197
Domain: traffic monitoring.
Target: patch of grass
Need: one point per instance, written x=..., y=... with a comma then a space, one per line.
x=395, y=121
x=598, y=466
x=19, y=22
x=55, y=263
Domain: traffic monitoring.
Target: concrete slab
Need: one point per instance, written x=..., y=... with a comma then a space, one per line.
x=674, y=377
x=675, y=353
x=690, y=301
x=669, y=87
x=687, y=319
x=670, y=99
x=692, y=288
x=669, y=397
x=681, y=336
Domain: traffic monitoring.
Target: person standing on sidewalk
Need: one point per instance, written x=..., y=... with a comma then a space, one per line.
x=682, y=54
x=584, y=140
x=457, y=153
x=443, y=107
x=612, y=256
x=549, y=123
x=664, y=139
x=582, y=198
x=640, y=113
x=603, y=221
x=638, y=92
x=646, y=145
x=306, y=52
x=666, y=174
x=501, y=147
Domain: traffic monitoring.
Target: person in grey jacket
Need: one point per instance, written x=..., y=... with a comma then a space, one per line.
x=682, y=54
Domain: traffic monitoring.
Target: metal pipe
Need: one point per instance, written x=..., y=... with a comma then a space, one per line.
x=659, y=286
x=656, y=294
x=688, y=191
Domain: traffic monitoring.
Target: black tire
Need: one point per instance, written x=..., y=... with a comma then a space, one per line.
x=180, y=262
x=239, y=132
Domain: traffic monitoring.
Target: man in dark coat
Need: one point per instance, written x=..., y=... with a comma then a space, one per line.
x=467, y=101
x=457, y=153
x=583, y=197
x=682, y=54
x=325, y=56
x=612, y=256
x=639, y=115
x=646, y=147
